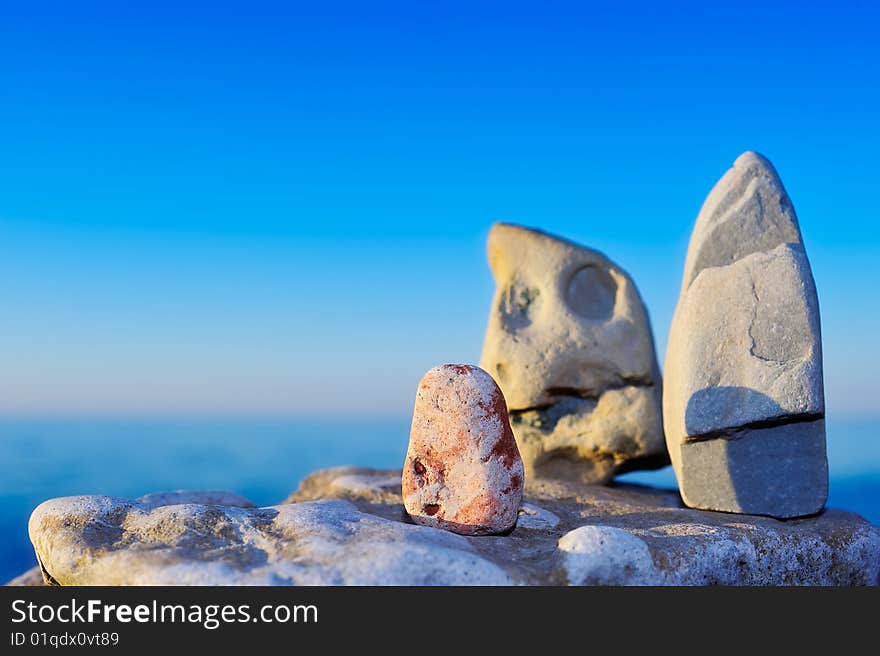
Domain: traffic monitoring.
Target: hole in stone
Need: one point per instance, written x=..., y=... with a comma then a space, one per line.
x=518, y=306
x=419, y=467
x=591, y=293
x=431, y=508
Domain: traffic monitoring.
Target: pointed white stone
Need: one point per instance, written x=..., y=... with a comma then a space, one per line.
x=743, y=398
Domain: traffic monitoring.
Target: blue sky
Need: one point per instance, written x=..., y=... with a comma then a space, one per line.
x=281, y=209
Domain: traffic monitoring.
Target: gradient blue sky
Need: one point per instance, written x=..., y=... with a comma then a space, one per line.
x=272, y=209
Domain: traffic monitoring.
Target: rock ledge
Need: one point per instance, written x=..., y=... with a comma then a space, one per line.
x=346, y=526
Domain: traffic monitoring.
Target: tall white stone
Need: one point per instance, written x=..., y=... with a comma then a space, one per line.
x=743, y=398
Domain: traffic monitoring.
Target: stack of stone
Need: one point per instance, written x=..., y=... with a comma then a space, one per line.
x=569, y=394
x=570, y=344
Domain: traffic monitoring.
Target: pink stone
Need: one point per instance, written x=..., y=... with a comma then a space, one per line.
x=463, y=471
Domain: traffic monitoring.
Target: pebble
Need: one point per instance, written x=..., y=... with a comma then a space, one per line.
x=463, y=471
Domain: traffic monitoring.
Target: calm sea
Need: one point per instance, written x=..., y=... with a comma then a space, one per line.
x=264, y=461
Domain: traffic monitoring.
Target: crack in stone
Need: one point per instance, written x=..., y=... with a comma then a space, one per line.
x=752, y=321
x=573, y=402
x=568, y=393
x=736, y=432
x=754, y=344
x=47, y=578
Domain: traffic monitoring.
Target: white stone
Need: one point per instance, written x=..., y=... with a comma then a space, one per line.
x=605, y=555
x=569, y=343
x=108, y=541
x=743, y=396
x=536, y=518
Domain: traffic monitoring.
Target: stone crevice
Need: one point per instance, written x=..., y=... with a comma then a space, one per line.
x=584, y=394
x=735, y=432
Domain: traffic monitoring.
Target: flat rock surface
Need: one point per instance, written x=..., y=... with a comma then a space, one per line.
x=347, y=526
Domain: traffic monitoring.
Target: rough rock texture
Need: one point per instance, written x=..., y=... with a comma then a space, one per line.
x=743, y=399
x=463, y=472
x=148, y=502
x=108, y=541
x=570, y=344
x=347, y=526
x=206, y=498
